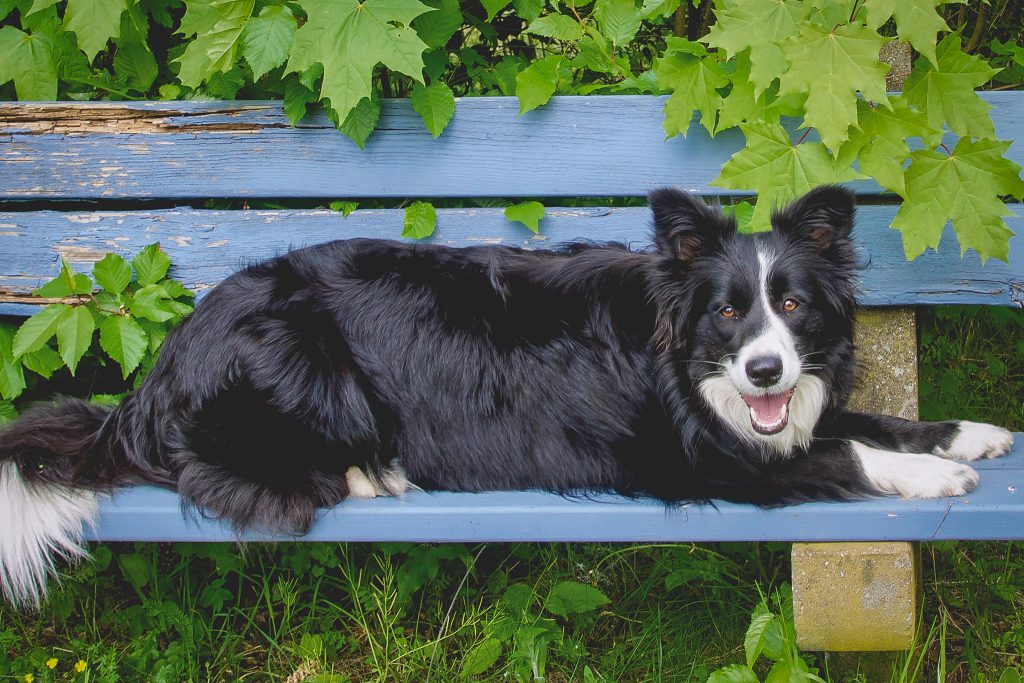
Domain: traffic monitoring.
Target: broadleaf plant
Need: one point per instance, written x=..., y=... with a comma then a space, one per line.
x=736, y=64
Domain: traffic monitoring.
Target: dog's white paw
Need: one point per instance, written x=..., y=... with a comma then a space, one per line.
x=974, y=440
x=914, y=475
x=359, y=485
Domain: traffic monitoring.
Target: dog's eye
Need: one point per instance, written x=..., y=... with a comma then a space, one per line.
x=728, y=312
x=790, y=305
x=40, y=468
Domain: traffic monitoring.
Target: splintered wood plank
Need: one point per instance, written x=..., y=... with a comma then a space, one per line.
x=206, y=246
x=573, y=146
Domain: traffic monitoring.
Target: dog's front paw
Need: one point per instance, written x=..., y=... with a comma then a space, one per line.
x=975, y=440
x=915, y=475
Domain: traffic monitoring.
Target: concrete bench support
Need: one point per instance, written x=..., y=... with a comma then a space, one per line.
x=864, y=596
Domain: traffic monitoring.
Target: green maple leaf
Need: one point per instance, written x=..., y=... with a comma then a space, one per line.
x=217, y=25
x=880, y=141
x=296, y=98
x=267, y=39
x=761, y=26
x=963, y=187
x=527, y=213
x=945, y=91
x=831, y=66
x=420, y=220
x=694, y=82
x=28, y=61
x=777, y=170
x=94, y=22
x=135, y=65
x=917, y=21
x=744, y=104
x=435, y=104
x=349, y=38
x=124, y=341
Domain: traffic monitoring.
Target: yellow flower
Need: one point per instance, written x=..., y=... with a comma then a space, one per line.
x=29, y=678
x=80, y=665
x=51, y=663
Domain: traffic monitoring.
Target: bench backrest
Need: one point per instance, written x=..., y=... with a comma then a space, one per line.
x=80, y=179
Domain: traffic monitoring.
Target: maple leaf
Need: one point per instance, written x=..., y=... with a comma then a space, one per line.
x=831, y=66
x=694, y=82
x=761, y=26
x=963, y=187
x=777, y=170
x=94, y=22
x=945, y=91
x=917, y=22
x=217, y=25
x=880, y=140
x=743, y=104
x=267, y=38
x=349, y=38
x=28, y=60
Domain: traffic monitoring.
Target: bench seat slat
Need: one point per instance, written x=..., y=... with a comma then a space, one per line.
x=206, y=246
x=581, y=146
x=995, y=510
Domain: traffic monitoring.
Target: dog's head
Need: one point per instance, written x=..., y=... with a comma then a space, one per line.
x=762, y=323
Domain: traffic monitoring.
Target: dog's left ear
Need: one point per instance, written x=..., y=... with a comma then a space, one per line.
x=684, y=226
x=823, y=216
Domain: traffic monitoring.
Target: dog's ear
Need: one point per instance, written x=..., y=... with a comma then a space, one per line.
x=684, y=226
x=823, y=216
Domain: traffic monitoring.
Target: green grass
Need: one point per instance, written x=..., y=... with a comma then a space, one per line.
x=400, y=612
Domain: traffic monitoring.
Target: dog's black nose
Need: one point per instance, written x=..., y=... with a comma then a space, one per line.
x=764, y=371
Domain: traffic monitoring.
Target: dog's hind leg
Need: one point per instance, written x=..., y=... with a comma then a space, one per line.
x=276, y=444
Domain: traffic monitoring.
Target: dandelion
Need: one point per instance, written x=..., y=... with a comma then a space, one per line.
x=80, y=665
x=51, y=663
x=29, y=678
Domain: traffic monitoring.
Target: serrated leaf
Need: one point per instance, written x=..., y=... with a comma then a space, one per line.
x=743, y=105
x=734, y=673
x=349, y=38
x=112, y=273
x=619, y=19
x=217, y=25
x=435, y=104
x=571, y=597
x=12, y=374
x=94, y=22
x=8, y=412
x=481, y=658
x=361, y=121
x=652, y=9
x=38, y=329
x=777, y=170
x=753, y=641
x=437, y=28
x=345, y=207
x=151, y=302
x=527, y=213
x=536, y=83
x=420, y=220
x=124, y=341
x=135, y=65
x=296, y=98
x=28, y=61
x=832, y=66
x=528, y=9
x=557, y=26
x=694, y=83
x=760, y=26
x=267, y=39
x=945, y=91
x=917, y=21
x=963, y=187
x=494, y=6
x=74, y=335
x=150, y=265
x=43, y=362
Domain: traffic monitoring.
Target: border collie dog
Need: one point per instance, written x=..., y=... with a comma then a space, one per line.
x=715, y=365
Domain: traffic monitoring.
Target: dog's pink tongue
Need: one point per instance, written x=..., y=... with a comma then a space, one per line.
x=768, y=408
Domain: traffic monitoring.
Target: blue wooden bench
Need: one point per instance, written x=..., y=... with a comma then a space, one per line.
x=79, y=180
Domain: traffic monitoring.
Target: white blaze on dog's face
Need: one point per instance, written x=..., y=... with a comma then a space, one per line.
x=771, y=314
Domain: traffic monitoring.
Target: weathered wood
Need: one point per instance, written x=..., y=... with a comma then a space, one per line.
x=995, y=510
x=573, y=146
x=206, y=246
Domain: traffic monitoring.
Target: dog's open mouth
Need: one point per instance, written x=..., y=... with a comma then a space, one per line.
x=769, y=413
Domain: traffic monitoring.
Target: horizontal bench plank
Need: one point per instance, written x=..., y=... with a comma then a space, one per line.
x=206, y=246
x=994, y=511
x=573, y=146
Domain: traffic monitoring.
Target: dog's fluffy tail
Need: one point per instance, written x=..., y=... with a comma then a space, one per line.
x=53, y=462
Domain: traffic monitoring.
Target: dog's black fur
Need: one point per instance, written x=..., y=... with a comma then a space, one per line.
x=483, y=368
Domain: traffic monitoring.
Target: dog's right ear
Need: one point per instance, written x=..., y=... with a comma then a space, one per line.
x=684, y=226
